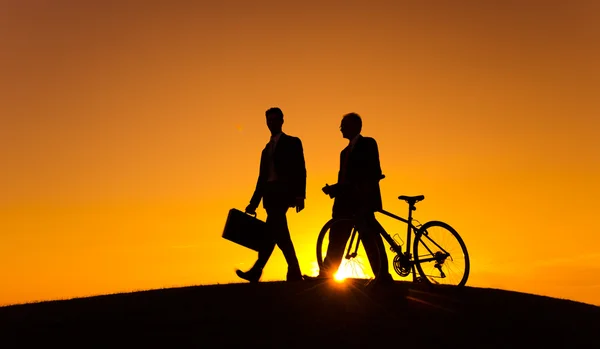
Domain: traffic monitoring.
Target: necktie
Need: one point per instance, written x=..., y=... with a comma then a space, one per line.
x=271, y=146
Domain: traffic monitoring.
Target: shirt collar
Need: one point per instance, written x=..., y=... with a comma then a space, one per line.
x=354, y=140
x=276, y=136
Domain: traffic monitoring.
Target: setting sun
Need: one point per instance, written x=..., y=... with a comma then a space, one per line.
x=354, y=268
x=339, y=277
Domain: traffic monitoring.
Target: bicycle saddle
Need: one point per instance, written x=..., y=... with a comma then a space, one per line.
x=411, y=200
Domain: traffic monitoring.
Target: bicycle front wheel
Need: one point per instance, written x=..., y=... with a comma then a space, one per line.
x=440, y=255
x=347, y=257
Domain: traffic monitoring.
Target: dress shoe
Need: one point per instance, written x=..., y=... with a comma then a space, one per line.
x=383, y=280
x=318, y=277
x=294, y=273
x=251, y=275
x=294, y=277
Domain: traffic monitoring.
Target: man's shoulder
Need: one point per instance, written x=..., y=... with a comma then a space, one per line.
x=290, y=137
x=367, y=139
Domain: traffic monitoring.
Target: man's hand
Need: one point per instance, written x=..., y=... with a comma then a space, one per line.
x=331, y=190
x=299, y=204
x=251, y=209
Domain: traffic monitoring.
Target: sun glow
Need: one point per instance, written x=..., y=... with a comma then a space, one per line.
x=339, y=276
x=350, y=268
x=353, y=268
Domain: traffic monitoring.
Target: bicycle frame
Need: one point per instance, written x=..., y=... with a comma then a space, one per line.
x=409, y=227
x=404, y=262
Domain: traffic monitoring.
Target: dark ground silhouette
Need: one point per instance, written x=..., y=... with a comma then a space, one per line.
x=308, y=314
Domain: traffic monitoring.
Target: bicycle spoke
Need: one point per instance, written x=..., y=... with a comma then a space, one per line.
x=444, y=259
x=354, y=259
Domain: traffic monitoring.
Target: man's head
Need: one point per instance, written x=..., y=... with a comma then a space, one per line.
x=274, y=119
x=351, y=125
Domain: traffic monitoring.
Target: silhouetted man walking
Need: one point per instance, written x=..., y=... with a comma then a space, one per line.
x=356, y=194
x=281, y=184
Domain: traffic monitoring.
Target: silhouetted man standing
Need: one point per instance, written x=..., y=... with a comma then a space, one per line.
x=281, y=184
x=356, y=194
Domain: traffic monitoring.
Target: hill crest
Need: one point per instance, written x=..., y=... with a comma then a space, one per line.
x=302, y=314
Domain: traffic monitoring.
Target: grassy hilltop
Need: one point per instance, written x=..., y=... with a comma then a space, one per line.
x=307, y=314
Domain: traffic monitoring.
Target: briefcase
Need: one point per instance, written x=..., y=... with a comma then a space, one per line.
x=245, y=230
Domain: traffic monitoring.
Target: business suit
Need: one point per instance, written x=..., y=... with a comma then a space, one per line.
x=358, y=178
x=357, y=194
x=290, y=171
x=279, y=187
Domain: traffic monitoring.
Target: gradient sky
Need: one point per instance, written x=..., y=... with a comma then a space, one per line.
x=129, y=129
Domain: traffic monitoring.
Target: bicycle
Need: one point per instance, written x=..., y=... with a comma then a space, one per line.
x=432, y=261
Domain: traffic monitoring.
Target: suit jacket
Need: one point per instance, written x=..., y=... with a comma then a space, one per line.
x=359, y=187
x=288, y=160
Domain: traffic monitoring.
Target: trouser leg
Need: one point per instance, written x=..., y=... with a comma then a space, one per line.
x=339, y=234
x=278, y=221
x=370, y=231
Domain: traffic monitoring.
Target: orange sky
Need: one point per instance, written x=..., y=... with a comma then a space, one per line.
x=128, y=131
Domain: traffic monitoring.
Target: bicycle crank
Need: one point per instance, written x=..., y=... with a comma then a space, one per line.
x=401, y=267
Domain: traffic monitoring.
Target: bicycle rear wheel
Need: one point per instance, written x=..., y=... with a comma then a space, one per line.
x=440, y=255
x=353, y=260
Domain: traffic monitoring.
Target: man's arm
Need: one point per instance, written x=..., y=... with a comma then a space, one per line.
x=372, y=168
x=368, y=174
x=334, y=189
x=301, y=170
x=299, y=174
x=258, y=191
